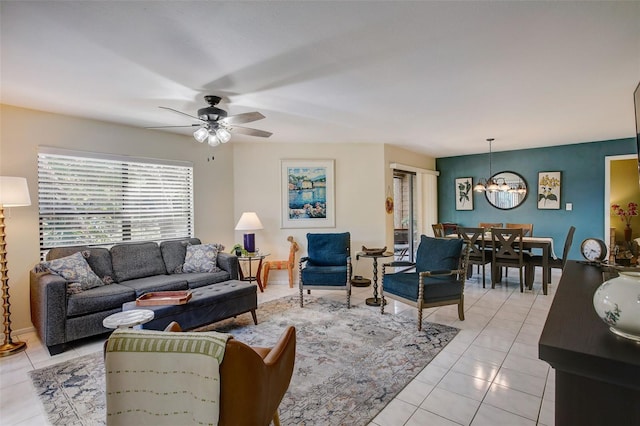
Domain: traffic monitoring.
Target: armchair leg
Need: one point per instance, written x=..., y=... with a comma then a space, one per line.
x=461, y=308
x=276, y=419
x=419, y=319
x=301, y=297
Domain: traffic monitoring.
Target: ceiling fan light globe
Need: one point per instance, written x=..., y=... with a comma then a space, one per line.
x=201, y=134
x=213, y=140
x=223, y=135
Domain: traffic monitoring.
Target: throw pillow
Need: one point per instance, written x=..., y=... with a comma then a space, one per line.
x=76, y=271
x=202, y=258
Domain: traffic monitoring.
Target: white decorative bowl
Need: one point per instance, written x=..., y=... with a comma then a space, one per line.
x=617, y=303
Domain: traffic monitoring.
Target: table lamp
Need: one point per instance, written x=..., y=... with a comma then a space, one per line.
x=249, y=221
x=14, y=192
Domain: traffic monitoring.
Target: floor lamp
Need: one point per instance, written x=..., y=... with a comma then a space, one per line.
x=14, y=192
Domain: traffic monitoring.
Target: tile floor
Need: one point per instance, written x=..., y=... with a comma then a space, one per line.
x=489, y=374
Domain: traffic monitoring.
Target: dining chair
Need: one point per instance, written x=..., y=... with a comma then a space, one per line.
x=507, y=252
x=478, y=252
x=487, y=226
x=438, y=230
x=553, y=263
x=527, y=228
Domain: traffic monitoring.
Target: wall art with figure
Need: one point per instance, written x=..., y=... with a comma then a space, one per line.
x=549, y=186
x=464, y=193
x=308, y=199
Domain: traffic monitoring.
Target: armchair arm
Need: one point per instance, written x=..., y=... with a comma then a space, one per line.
x=399, y=263
x=440, y=273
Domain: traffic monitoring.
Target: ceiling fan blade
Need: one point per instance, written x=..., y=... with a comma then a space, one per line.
x=166, y=127
x=250, y=132
x=246, y=117
x=183, y=113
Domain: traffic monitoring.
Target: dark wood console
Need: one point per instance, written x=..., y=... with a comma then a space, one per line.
x=597, y=372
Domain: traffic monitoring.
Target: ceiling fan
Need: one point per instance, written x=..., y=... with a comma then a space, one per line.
x=215, y=126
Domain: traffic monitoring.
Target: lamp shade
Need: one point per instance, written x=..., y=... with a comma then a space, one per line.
x=249, y=221
x=14, y=192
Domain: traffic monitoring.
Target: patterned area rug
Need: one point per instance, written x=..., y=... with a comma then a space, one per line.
x=350, y=363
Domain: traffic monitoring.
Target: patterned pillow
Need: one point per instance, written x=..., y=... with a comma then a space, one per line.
x=202, y=258
x=76, y=271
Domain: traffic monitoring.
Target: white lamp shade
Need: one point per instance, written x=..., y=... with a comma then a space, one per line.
x=223, y=135
x=249, y=221
x=14, y=192
x=201, y=134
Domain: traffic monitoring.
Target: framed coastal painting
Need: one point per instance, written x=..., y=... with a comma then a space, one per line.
x=308, y=194
x=549, y=186
x=464, y=193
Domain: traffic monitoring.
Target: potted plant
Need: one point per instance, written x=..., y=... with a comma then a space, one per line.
x=238, y=250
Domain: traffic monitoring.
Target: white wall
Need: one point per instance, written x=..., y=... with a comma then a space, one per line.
x=359, y=195
x=22, y=130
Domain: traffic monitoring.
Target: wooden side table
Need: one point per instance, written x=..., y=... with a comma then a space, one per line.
x=250, y=258
x=375, y=300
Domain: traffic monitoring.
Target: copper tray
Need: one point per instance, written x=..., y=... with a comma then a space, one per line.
x=155, y=298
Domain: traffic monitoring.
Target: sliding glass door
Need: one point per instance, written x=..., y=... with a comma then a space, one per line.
x=405, y=215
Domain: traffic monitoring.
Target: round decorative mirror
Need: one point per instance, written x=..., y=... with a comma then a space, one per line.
x=512, y=191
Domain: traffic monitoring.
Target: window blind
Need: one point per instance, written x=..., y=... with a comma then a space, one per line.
x=96, y=199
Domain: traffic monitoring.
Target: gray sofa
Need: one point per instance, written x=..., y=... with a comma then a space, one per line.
x=131, y=269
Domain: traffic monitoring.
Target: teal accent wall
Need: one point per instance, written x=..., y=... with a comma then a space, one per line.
x=582, y=166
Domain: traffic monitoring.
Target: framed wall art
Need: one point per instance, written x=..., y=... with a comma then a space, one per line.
x=308, y=194
x=464, y=193
x=549, y=186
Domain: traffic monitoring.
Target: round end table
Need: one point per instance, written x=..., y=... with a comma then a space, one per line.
x=128, y=319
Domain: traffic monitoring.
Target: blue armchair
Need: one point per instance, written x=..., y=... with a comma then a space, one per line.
x=327, y=265
x=440, y=273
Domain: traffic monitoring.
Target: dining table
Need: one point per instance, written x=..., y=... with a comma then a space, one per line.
x=528, y=243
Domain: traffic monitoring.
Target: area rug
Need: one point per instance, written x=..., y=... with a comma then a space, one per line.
x=350, y=363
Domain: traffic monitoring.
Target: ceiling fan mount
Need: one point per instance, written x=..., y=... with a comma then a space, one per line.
x=212, y=113
x=215, y=125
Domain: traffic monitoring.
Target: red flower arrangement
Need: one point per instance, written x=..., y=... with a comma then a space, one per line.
x=625, y=215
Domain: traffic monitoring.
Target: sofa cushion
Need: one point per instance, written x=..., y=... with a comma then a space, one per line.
x=76, y=271
x=99, y=299
x=136, y=260
x=99, y=259
x=156, y=283
x=201, y=258
x=174, y=252
x=201, y=279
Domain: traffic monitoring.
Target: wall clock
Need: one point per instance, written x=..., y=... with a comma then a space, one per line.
x=593, y=249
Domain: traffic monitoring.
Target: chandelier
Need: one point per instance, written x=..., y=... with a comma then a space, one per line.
x=490, y=184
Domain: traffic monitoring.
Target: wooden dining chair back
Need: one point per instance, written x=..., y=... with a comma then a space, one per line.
x=487, y=226
x=438, y=230
x=527, y=228
x=507, y=252
x=551, y=262
x=478, y=253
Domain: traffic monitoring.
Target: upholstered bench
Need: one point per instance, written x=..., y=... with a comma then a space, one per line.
x=208, y=304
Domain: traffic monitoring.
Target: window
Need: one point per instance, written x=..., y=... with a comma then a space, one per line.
x=99, y=199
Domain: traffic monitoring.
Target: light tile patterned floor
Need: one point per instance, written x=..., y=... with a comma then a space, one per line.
x=489, y=374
